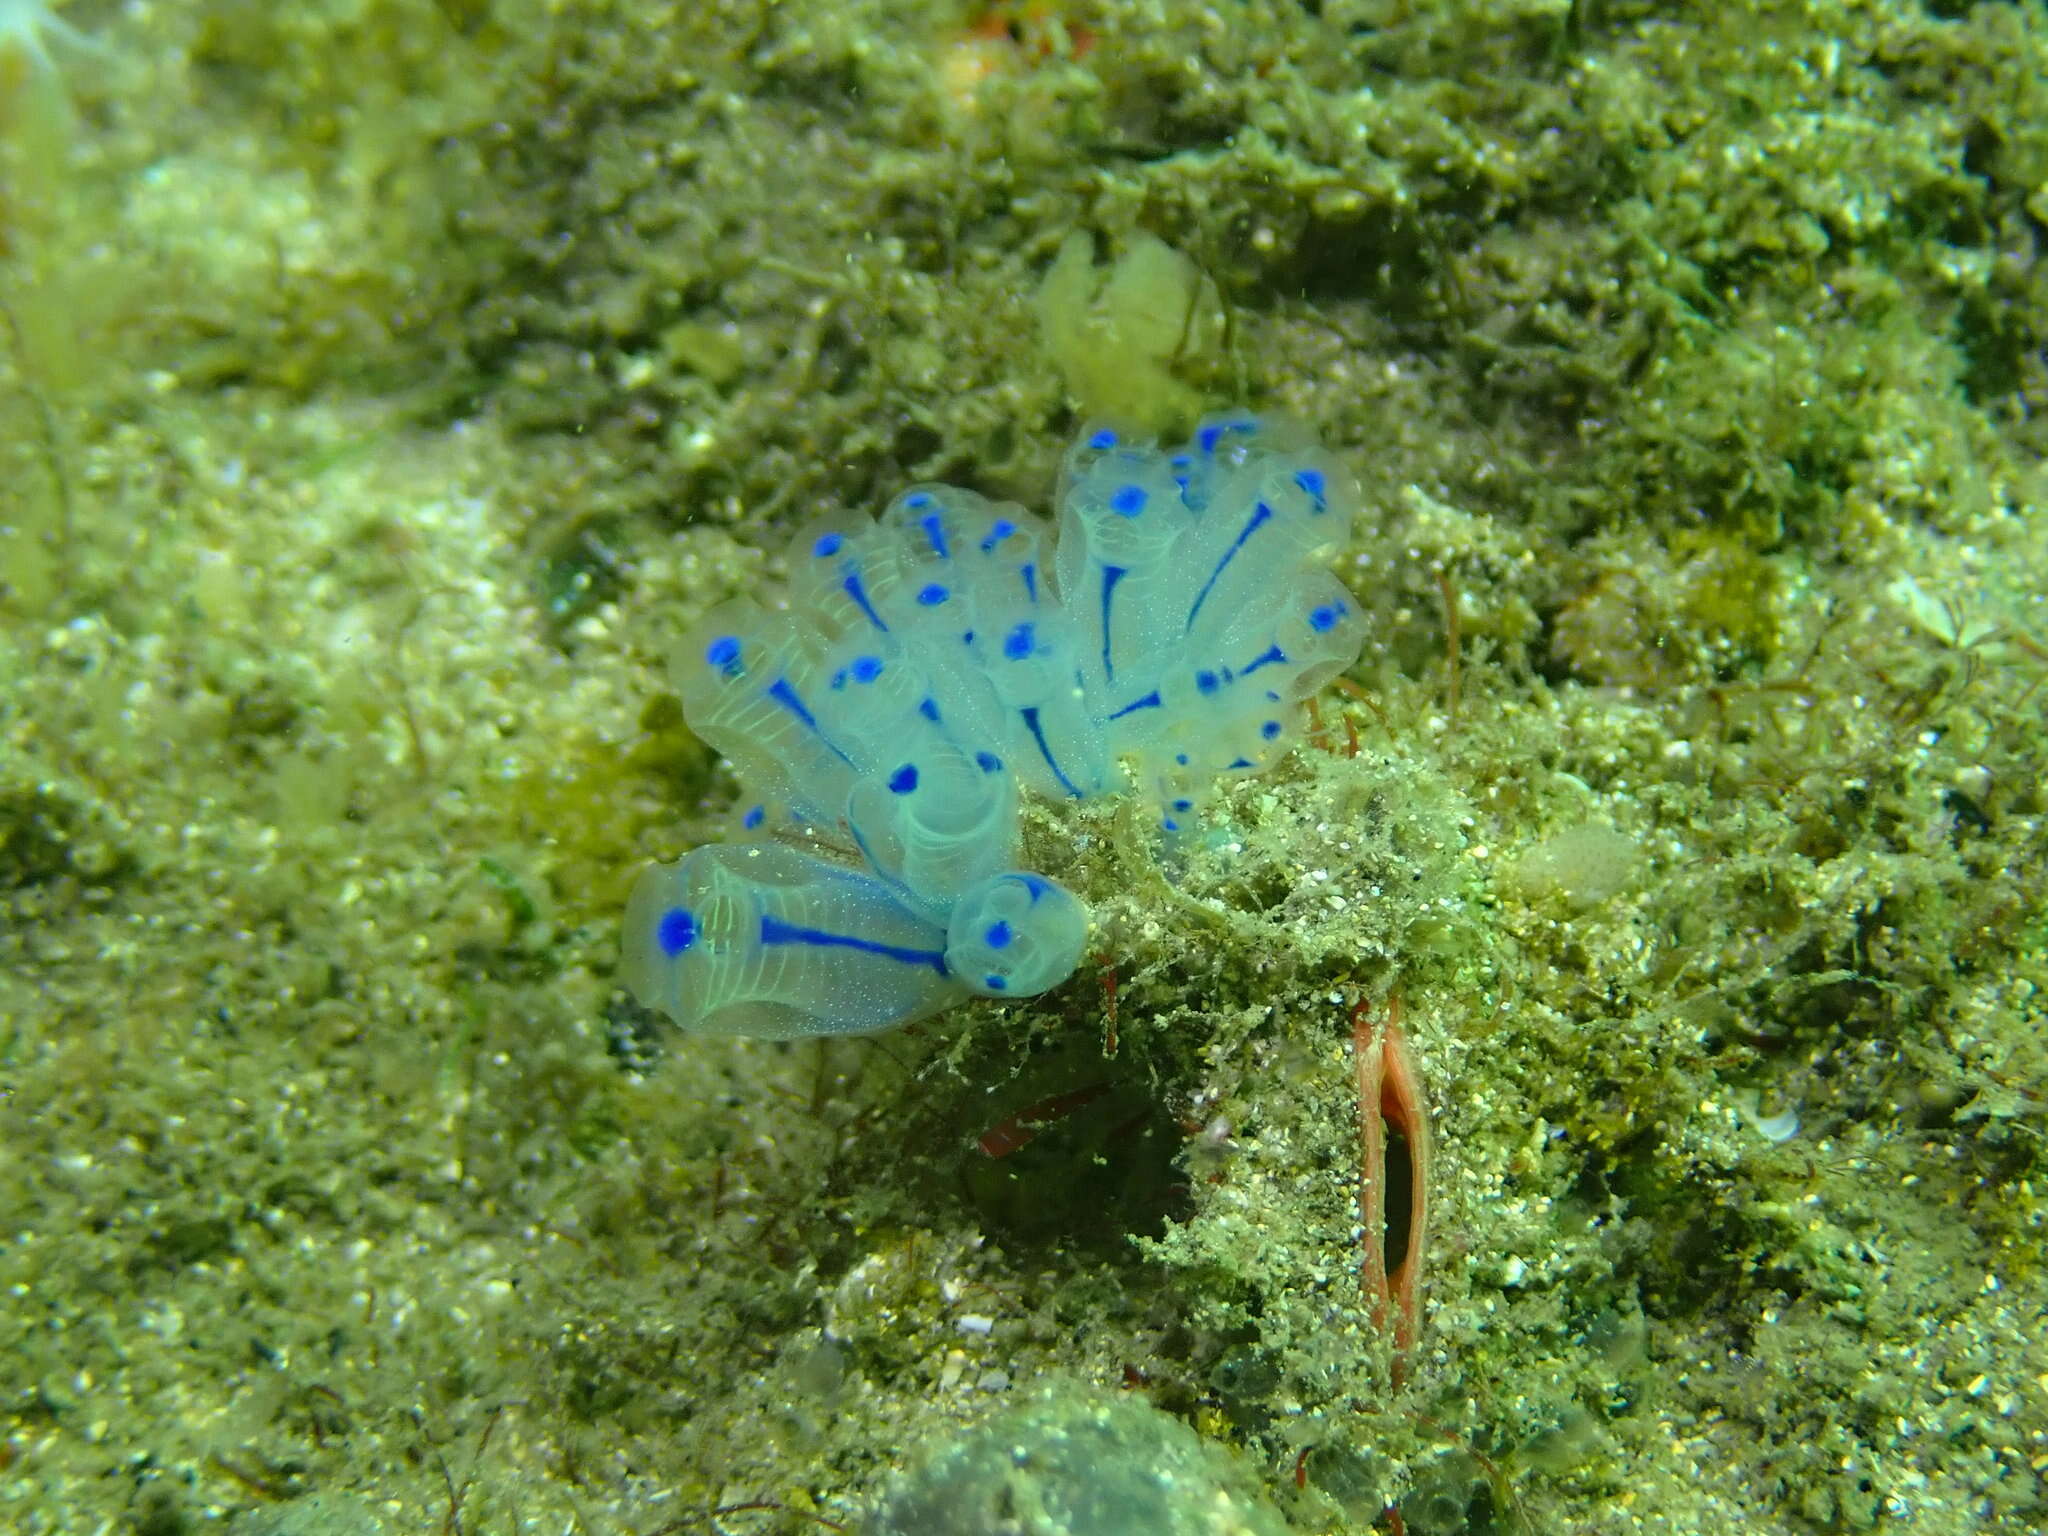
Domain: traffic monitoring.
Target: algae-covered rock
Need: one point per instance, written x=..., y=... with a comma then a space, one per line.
x=322, y=1514
x=1072, y=1461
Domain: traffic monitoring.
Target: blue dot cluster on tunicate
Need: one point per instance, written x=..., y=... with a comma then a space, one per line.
x=934, y=664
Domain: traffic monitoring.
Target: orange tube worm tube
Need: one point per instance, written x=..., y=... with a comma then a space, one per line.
x=1393, y=1188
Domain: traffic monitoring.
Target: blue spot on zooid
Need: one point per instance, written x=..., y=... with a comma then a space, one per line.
x=724, y=654
x=998, y=935
x=1127, y=500
x=904, y=779
x=677, y=931
x=1214, y=433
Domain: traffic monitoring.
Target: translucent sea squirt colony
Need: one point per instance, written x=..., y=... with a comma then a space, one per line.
x=936, y=663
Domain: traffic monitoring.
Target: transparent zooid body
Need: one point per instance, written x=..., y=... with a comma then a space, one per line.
x=937, y=663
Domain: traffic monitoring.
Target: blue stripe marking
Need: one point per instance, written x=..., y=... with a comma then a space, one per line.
x=860, y=842
x=1111, y=575
x=935, y=531
x=859, y=594
x=1267, y=657
x=1030, y=574
x=1037, y=731
x=1150, y=701
x=786, y=696
x=775, y=931
x=1261, y=514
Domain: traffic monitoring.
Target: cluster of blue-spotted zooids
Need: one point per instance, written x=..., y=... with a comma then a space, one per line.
x=937, y=663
